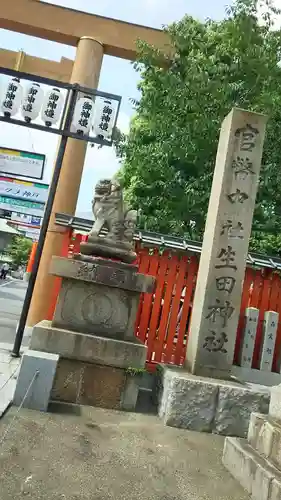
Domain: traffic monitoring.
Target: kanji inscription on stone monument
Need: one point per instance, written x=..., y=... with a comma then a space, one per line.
x=216, y=305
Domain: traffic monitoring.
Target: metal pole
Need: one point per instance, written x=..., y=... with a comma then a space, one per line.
x=45, y=223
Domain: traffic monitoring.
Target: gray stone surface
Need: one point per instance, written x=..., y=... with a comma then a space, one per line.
x=234, y=408
x=216, y=305
x=264, y=436
x=163, y=387
x=89, y=348
x=255, y=376
x=130, y=392
x=187, y=402
x=275, y=402
x=101, y=271
x=9, y=368
x=256, y=463
x=255, y=474
x=210, y=405
x=254, y=431
x=96, y=309
x=40, y=367
x=269, y=337
x=110, y=455
x=249, y=336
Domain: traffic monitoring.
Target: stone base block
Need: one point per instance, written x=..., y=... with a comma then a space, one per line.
x=95, y=385
x=41, y=368
x=255, y=473
x=208, y=405
x=95, y=371
x=89, y=348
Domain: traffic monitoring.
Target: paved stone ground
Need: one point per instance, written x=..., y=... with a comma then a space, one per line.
x=12, y=294
x=103, y=455
x=9, y=369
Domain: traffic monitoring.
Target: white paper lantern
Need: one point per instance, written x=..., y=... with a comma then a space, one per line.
x=32, y=101
x=83, y=116
x=12, y=98
x=52, y=107
x=104, y=121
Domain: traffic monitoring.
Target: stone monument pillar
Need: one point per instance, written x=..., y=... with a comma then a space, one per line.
x=93, y=326
x=216, y=305
x=204, y=396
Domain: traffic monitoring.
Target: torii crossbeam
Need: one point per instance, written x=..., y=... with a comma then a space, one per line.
x=60, y=24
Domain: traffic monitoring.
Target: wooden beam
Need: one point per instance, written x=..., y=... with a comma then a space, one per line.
x=56, y=70
x=67, y=26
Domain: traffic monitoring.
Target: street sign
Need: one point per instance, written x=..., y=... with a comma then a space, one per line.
x=22, y=163
x=23, y=190
x=22, y=206
x=24, y=220
x=23, y=197
x=31, y=233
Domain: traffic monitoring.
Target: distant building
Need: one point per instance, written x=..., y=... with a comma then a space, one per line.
x=6, y=236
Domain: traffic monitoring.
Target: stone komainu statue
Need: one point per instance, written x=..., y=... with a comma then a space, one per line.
x=111, y=213
x=113, y=230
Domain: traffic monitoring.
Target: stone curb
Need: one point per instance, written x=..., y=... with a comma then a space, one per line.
x=255, y=474
x=264, y=436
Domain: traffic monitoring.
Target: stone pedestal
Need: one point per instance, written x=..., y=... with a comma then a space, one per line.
x=93, y=332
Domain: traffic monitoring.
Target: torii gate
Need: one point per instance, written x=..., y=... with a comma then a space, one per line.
x=20, y=61
x=94, y=36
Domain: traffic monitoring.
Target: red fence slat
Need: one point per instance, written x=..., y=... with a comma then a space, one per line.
x=175, y=309
x=190, y=286
x=148, y=298
x=165, y=315
x=156, y=309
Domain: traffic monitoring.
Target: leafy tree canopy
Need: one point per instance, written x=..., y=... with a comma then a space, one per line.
x=169, y=154
x=19, y=250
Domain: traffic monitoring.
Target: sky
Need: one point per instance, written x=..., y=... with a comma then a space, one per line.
x=117, y=77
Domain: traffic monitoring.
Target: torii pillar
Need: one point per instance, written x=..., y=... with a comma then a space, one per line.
x=86, y=72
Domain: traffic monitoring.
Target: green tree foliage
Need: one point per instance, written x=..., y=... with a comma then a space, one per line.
x=168, y=157
x=19, y=250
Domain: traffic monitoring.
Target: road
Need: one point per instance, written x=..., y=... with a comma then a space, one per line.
x=12, y=294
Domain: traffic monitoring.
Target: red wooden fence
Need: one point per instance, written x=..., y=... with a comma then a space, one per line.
x=159, y=324
x=157, y=321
